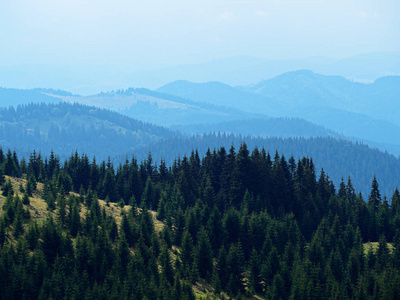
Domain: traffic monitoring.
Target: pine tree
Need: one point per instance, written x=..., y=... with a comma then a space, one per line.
x=148, y=195
x=18, y=226
x=9, y=166
x=203, y=255
x=161, y=214
x=235, y=264
x=166, y=265
x=32, y=236
x=2, y=178
x=208, y=193
x=51, y=240
x=8, y=188
x=61, y=203
x=2, y=157
x=253, y=280
x=374, y=199
x=383, y=254
x=187, y=252
x=215, y=230
x=32, y=183
x=396, y=202
x=3, y=233
x=123, y=255
x=25, y=199
x=74, y=220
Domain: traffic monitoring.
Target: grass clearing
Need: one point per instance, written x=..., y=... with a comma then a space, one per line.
x=37, y=206
x=374, y=246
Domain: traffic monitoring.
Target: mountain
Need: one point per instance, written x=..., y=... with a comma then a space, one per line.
x=364, y=67
x=10, y=97
x=142, y=104
x=89, y=79
x=218, y=93
x=365, y=112
x=378, y=100
x=160, y=108
x=65, y=128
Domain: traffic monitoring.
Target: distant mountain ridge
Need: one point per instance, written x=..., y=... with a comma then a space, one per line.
x=368, y=112
x=86, y=79
x=305, y=88
x=9, y=97
x=66, y=128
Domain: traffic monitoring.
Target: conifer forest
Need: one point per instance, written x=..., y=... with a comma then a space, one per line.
x=228, y=224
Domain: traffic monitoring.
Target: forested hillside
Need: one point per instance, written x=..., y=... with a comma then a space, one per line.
x=66, y=128
x=237, y=223
x=340, y=158
x=261, y=127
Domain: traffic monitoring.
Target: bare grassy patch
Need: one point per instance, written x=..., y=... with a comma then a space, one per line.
x=374, y=246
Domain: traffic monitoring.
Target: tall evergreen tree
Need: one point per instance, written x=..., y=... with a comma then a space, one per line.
x=374, y=199
x=203, y=255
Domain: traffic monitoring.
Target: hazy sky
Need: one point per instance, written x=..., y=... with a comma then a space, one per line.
x=154, y=32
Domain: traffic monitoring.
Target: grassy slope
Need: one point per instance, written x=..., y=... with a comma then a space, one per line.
x=38, y=207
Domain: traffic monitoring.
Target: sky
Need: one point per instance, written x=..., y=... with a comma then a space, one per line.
x=152, y=33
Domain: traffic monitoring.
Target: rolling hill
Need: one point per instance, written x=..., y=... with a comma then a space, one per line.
x=160, y=108
x=66, y=128
x=366, y=112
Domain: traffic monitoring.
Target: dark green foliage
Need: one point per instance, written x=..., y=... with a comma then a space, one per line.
x=2, y=178
x=242, y=223
x=32, y=236
x=7, y=188
x=3, y=233
x=62, y=207
x=18, y=226
x=203, y=255
x=374, y=199
x=25, y=199
x=166, y=265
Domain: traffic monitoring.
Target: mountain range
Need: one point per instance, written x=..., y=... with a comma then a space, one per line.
x=298, y=113
x=89, y=79
x=365, y=112
x=68, y=128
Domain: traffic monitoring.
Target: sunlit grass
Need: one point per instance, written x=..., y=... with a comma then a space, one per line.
x=374, y=246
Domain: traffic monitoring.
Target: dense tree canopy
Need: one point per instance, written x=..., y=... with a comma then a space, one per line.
x=236, y=222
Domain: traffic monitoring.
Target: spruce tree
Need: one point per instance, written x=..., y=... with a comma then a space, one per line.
x=3, y=233
x=8, y=188
x=32, y=235
x=203, y=255
x=74, y=219
x=18, y=226
x=374, y=199
x=187, y=252
x=166, y=265
x=2, y=178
